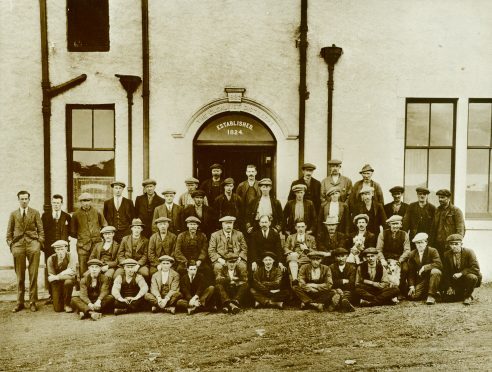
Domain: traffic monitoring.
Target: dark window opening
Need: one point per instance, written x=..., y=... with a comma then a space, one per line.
x=88, y=25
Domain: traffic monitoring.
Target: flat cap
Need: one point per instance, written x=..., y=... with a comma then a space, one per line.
x=162, y=219
x=85, y=196
x=192, y=219
x=308, y=166
x=333, y=190
x=423, y=190
x=394, y=218
x=269, y=254
x=198, y=194
x=454, y=238
x=228, y=181
x=331, y=220
x=129, y=262
x=231, y=257
x=137, y=222
x=397, y=189
x=366, y=168
x=119, y=183
x=106, y=229
x=299, y=187
x=265, y=181
x=95, y=261
x=334, y=162
x=316, y=254
x=168, y=190
x=228, y=219
x=443, y=192
x=370, y=250
x=339, y=252
x=166, y=258
x=191, y=180
x=420, y=236
x=365, y=189
x=361, y=216
x=148, y=181
x=216, y=166
x=59, y=243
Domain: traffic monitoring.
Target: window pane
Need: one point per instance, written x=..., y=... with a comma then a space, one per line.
x=98, y=187
x=415, y=172
x=104, y=128
x=93, y=163
x=82, y=128
x=439, y=172
x=441, y=124
x=477, y=181
x=417, y=124
x=479, y=120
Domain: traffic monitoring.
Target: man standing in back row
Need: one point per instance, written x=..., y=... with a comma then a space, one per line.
x=313, y=186
x=118, y=211
x=419, y=215
x=146, y=204
x=335, y=179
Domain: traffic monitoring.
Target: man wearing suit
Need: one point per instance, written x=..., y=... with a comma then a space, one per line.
x=170, y=210
x=226, y=241
x=212, y=186
x=61, y=276
x=419, y=215
x=249, y=189
x=265, y=240
x=424, y=270
x=134, y=246
x=334, y=207
x=87, y=223
x=343, y=275
x=196, y=291
x=461, y=271
x=186, y=198
x=313, y=186
x=56, y=225
x=107, y=252
x=397, y=206
x=335, y=179
x=146, y=204
x=330, y=239
x=232, y=284
x=266, y=284
x=203, y=212
x=161, y=243
x=25, y=235
x=118, y=211
x=229, y=204
x=164, y=289
x=264, y=205
x=299, y=209
x=366, y=173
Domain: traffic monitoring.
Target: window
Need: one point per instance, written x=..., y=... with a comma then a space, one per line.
x=478, y=170
x=429, y=145
x=87, y=25
x=90, y=159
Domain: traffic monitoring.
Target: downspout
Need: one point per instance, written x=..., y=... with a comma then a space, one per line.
x=303, y=93
x=145, y=86
x=48, y=93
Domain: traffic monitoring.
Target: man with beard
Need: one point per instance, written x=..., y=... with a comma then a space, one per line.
x=212, y=186
x=336, y=179
x=146, y=204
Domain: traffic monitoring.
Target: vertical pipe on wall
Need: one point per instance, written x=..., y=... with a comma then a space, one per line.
x=145, y=86
x=303, y=93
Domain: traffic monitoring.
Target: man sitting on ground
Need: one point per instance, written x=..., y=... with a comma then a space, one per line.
x=343, y=275
x=164, y=288
x=197, y=294
x=232, y=284
x=61, y=276
x=129, y=289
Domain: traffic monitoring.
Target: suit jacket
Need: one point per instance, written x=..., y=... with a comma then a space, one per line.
x=114, y=250
x=264, y=281
x=313, y=191
x=54, y=231
x=139, y=253
x=160, y=289
x=418, y=219
x=159, y=247
x=217, y=247
x=102, y=288
x=176, y=216
x=210, y=191
x=290, y=216
x=344, y=223
x=430, y=260
x=125, y=214
x=233, y=207
x=30, y=229
x=258, y=245
x=369, y=240
x=326, y=244
x=239, y=272
x=86, y=227
x=242, y=190
x=355, y=198
x=183, y=253
x=252, y=218
x=291, y=244
x=447, y=221
x=305, y=277
x=189, y=289
x=388, y=209
x=377, y=216
x=208, y=219
x=349, y=272
x=145, y=212
x=468, y=265
x=344, y=184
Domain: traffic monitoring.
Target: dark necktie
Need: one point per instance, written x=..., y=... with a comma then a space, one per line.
x=23, y=215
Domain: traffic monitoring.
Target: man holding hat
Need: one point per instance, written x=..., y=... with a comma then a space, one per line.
x=372, y=284
x=313, y=186
x=424, y=270
x=146, y=204
x=264, y=205
x=164, y=288
x=61, y=275
x=335, y=179
x=204, y=213
x=196, y=293
x=419, y=215
x=94, y=298
x=232, y=284
x=372, y=208
x=329, y=238
x=119, y=211
x=107, y=252
x=229, y=203
x=129, y=289
x=265, y=240
x=87, y=223
x=461, y=271
x=361, y=239
x=170, y=210
x=397, y=206
x=186, y=198
x=333, y=207
x=315, y=282
x=299, y=208
x=135, y=246
x=161, y=243
x=249, y=189
x=266, y=284
x=366, y=173
x=225, y=242
x=343, y=275
x=212, y=186
x=448, y=220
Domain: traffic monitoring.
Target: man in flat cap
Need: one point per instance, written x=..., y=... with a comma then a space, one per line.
x=461, y=271
x=329, y=238
x=135, y=246
x=315, y=282
x=372, y=285
x=205, y=213
x=146, y=204
x=448, y=220
x=129, y=289
x=266, y=284
x=372, y=208
x=170, y=210
x=333, y=207
x=336, y=179
x=86, y=226
x=229, y=203
x=299, y=208
x=266, y=204
x=119, y=211
x=61, y=275
x=313, y=186
x=161, y=243
x=94, y=298
x=107, y=252
x=186, y=199
x=360, y=240
x=366, y=172
x=164, y=287
x=226, y=241
x=265, y=240
x=232, y=284
x=424, y=270
x=212, y=186
x=397, y=206
x=56, y=226
x=249, y=189
x=25, y=236
x=419, y=215
x=343, y=275
x=196, y=292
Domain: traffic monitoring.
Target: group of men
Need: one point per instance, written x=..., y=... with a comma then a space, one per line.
x=334, y=245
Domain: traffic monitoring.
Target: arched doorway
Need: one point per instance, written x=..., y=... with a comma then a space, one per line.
x=234, y=140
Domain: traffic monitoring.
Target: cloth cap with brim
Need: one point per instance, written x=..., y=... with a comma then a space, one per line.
x=333, y=190
x=168, y=190
x=308, y=166
x=198, y=194
x=419, y=237
x=231, y=257
x=316, y=254
x=85, y=196
x=299, y=187
x=137, y=222
x=339, y=252
x=269, y=254
x=215, y=166
x=107, y=229
x=59, y=243
x=228, y=181
x=423, y=190
x=129, y=262
x=365, y=189
x=192, y=219
x=119, y=183
x=370, y=250
x=331, y=220
x=95, y=261
x=166, y=258
x=191, y=181
x=228, y=219
x=366, y=168
x=148, y=181
x=397, y=189
x=444, y=192
x=394, y=218
x=162, y=219
x=334, y=162
x=361, y=216
x=454, y=238
x=265, y=181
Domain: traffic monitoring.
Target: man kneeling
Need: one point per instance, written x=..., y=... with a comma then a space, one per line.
x=61, y=276
x=232, y=284
x=129, y=289
x=164, y=287
x=266, y=284
x=196, y=292
x=94, y=298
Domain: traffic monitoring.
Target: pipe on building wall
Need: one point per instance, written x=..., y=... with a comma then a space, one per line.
x=145, y=86
x=303, y=93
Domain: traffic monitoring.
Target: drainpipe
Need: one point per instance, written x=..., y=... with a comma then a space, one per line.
x=130, y=84
x=330, y=55
x=303, y=93
x=145, y=86
x=48, y=93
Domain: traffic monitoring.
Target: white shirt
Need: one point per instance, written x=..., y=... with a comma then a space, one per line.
x=117, y=202
x=251, y=183
x=191, y=277
x=264, y=207
x=334, y=209
x=301, y=238
x=22, y=211
x=165, y=276
x=231, y=274
x=169, y=207
x=265, y=232
x=341, y=268
x=106, y=246
x=56, y=215
x=315, y=273
x=421, y=255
